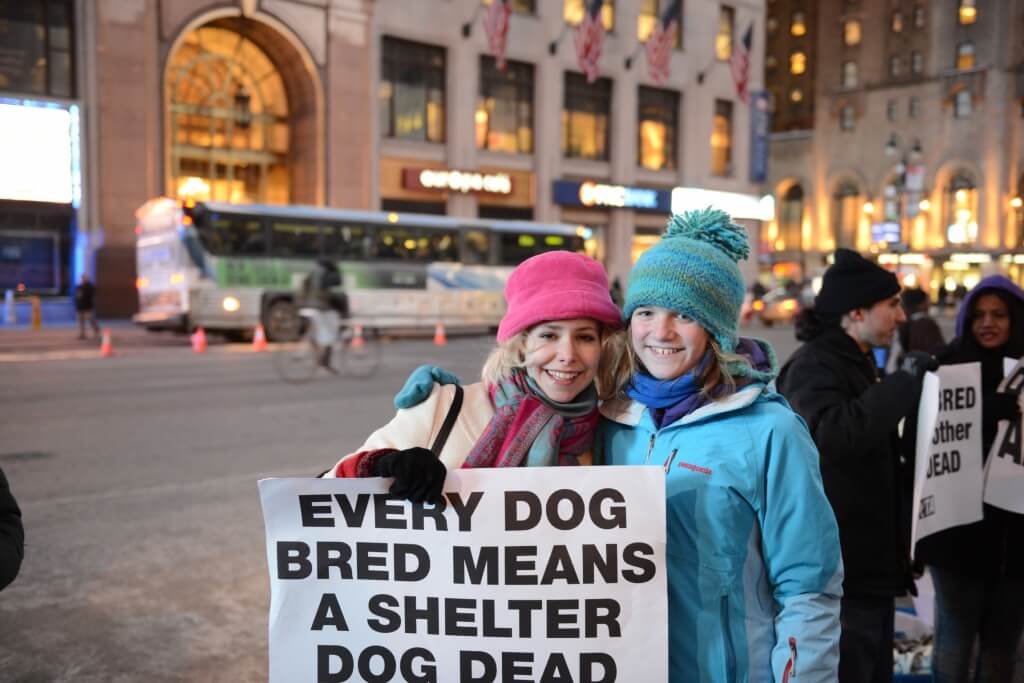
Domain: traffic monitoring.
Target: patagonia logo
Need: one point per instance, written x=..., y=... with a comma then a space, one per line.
x=694, y=468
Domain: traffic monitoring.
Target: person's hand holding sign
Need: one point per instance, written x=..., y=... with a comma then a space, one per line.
x=419, y=475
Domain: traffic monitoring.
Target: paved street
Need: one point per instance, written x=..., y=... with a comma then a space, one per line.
x=137, y=478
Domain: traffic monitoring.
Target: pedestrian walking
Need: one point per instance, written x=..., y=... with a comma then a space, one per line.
x=537, y=402
x=832, y=381
x=12, y=535
x=85, y=306
x=754, y=569
x=978, y=569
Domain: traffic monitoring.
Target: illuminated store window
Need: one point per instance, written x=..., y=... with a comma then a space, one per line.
x=228, y=120
x=411, y=93
x=37, y=47
x=572, y=12
x=504, y=110
x=726, y=28
x=851, y=32
x=721, y=139
x=961, y=209
x=586, y=117
x=658, y=116
x=650, y=14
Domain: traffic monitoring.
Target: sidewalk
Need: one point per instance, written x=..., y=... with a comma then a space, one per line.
x=61, y=340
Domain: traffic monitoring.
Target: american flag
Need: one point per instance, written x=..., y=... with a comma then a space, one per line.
x=661, y=41
x=496, y=27
x=740, y=65
x=589, y=39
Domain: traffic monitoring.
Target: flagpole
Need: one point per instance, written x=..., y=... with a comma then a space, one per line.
x=553, y=45
x=629, y=60
x=467, y=28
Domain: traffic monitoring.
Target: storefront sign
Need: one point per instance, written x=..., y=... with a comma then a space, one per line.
x=591, y=194
x=888, y=232
x=760, y=127
x=739, y=206
x=456, y=181
x=43, y=138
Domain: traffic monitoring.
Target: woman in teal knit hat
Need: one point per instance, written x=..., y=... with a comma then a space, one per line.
x=754, y=568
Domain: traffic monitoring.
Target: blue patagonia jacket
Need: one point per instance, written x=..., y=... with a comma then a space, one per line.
x=754, y=568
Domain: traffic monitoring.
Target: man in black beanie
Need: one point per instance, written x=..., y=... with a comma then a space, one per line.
x=833, y=383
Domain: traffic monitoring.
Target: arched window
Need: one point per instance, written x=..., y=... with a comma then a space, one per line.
x=961, y=209
x=791, y=215
x=227, y=119
x=846, y=214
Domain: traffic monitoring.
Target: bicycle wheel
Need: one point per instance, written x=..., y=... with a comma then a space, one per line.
x=362, y=358
x=296, y=363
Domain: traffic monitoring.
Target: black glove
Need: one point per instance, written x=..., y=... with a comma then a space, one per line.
x=419, y=475
x=1002, y=406
x=916, y=363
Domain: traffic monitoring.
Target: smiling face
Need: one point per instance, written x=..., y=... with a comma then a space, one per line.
x=562, y=356
x=991, y=323
x=668, y=344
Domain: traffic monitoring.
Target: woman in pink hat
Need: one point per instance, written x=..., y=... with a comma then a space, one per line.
x=537, y=403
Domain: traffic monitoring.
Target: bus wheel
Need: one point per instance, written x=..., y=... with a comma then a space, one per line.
x=281, y=321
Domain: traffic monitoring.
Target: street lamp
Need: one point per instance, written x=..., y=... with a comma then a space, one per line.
x=907, y=186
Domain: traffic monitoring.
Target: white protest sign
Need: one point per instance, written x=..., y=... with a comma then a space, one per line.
x=526, y=574
x=948, y=474
x=1004, y=471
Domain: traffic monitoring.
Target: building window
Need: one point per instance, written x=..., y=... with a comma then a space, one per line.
x=798, y=24
x=851, y=32
x=658, y=117
x=896, y=22
x=572, y=12
x=916, y=63
x=770, y=62
x=895, y=66
x=846, y=118
x=965, y=55
x=963, y=104
x=968, y=12
x=914, y=108
x=504, y=108
x=846, y=209
x=797, y=62
x=228, y=120
x=518, y=6
x=586, y=117
x=721, y=139
x=411, y=92
x=771, y=24
x=962, y=209
x=796, y=95
x=726, y=27
x=37, y=53
x=919, y=16
x=791, y=217
x=890, y=110
x=849, y=79
x=650, y=15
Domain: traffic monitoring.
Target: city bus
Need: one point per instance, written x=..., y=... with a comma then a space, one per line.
x=228, y=267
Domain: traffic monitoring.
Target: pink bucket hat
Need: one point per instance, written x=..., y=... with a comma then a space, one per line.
x=557, y=285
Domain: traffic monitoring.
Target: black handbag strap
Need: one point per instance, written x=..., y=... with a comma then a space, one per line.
x=449, y=422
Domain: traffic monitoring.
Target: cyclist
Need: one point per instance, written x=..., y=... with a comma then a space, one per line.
x=320, y=292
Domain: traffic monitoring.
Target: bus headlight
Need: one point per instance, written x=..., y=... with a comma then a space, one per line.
x=231, y=304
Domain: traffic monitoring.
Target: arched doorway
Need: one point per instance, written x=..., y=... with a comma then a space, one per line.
x=791, y=215
x=846, y=214
x=242, y=116
x=961, y=209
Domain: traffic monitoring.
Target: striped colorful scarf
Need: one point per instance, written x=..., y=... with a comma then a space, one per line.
x=529, y=428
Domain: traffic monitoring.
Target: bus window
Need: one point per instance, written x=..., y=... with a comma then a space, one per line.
x=294, y=239
x=438, y=245
x=392, y=243
x=346, y=241
x=476, y=247
x=233, y=235
x=516, y=247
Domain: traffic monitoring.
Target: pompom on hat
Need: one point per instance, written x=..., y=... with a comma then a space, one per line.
x=557, y=285
x=693, y=271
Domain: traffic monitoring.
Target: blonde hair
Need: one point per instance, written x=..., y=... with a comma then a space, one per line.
x=510, y=355
x=716, y=382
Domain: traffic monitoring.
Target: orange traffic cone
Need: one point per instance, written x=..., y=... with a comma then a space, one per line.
x=106, y=347
x=259, y=339
x=357, y=338
x=199, y=340
x=439, y=337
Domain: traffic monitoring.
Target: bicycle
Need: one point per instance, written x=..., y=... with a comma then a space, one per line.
x=324, y=335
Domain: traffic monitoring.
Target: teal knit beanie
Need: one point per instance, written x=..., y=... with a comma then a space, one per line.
x=692, y=270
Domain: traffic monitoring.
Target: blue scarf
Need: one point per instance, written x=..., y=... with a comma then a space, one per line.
x=663, y=393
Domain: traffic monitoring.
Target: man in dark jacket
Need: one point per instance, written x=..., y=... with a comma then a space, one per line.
x=12, y=535
x=833, y=383
x=85, y=305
